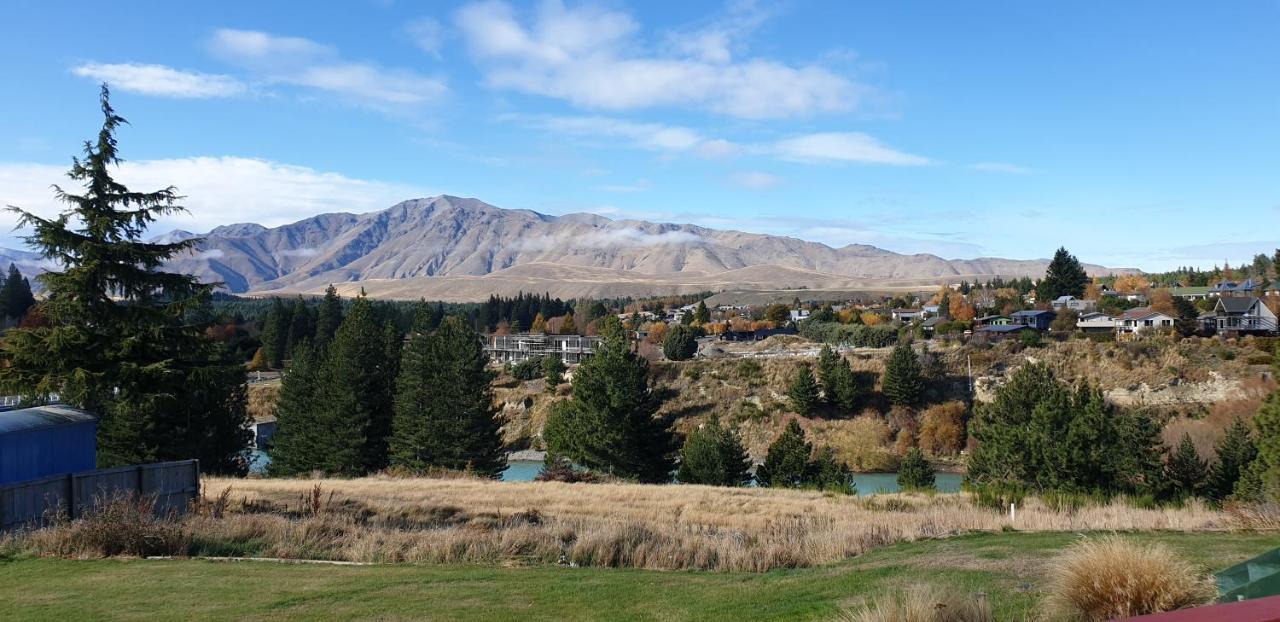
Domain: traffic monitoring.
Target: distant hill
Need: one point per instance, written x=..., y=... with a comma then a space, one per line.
x=454, y=248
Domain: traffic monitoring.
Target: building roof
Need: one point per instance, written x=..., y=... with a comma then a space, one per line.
x=933, y=321
x=1142, y=313
x=1064, y=298
x=1246, y=285
x=1030, y=313
x=988, y=318
x=1237, y=304
x=39, y=417
x=1093, y=315
x=1010, y=328
x=1202, y=290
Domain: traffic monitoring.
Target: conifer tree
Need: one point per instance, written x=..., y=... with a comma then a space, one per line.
x=702, y=315
x=358, y=393
x=679, y=344
x=803, y=392
x=300, y=443
x=15, y=294
x=827, y=362
x=1236, y=452
x=301, y=326
x=553, y=371
x=1064, y=277
x=1265, y=469
x=786, y=465
x=714, y=456
x=902, y=383
x=328, y=317
x=827, y=473
x=610, y=423
x=115, y=339
x=1186, y=472
x=275, y=334
x=444, y=414
x=915, y=473
x=839, y=385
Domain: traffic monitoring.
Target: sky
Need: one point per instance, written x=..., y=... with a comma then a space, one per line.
x=1137, y=134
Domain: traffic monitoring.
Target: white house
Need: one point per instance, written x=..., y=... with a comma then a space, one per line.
x=1073, y=303
x=799, y=314
x=1096, y=322
x=906, y=315
x=1241, y=314
x=1142, y=320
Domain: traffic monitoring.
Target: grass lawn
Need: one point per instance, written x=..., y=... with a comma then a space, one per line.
x=1005, y=566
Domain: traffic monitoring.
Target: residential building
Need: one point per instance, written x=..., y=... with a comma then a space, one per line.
x=524, y=346
x=799, y=314
x=1190, y=293
x=993, y=320
x=1096, y=322
x=1073, y=303
x=906, y=315
x=1240, y=314
x=1246, y=287
x=1038, y=319
x=1002, y=331
x=1140, y=320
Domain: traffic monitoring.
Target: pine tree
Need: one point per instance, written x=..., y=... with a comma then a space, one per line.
x=115, y=339
x=803, y=392
x=714, y=456
x=915, y=473
x=1266, y=467
x=610, y=423
x=1186, y=472
x=1236, y=452
x=827, y=473
x=357, y=394
x=828, y=360
x=275, y=334
x=328, y=317
x=301, y=326
x=300, y=445
x=702, y=315
x=839, y=385
x=15, y=294
x=902, y=383
x=553, y=371
x=786, y=465
x=1064, y=277
x=680, y=344
x=444, y=414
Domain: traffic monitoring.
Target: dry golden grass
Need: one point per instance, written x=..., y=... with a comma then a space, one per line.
x=656, y=527
x=925, y=603
x=1105, y=578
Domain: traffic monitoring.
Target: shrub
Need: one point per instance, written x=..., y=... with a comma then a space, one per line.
x=680, y=344
x=750, y=369
x=529, y=369
x=925, y=603
x=1106, y=578
x=856, y=335
x=942, y=429
x=915, y=473
x=123, y=525
x=862, y=444
x=714, y=456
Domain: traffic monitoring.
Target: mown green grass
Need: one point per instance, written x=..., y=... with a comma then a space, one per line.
x=1005, y=567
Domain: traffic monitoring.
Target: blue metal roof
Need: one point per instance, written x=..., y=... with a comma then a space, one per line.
x=42, y=417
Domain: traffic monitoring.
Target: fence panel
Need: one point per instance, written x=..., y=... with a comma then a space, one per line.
x=173, y=485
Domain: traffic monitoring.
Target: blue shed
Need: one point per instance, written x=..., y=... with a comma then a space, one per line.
x=46, y=440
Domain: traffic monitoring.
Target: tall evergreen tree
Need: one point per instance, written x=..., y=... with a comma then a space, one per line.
x=803, y=391
x=444, y=414
x=610, y=423
x=915, y=473
x=1186, y=472
x=1064, y=277
x=827, y=362
x=553, y=371
x=1265, y=469
x=116, y=340
x=301, y=444
x=702, y=315
x=713, y=455
x=275, y=334
x=839, y=385
x=786, y=464
x=1236, y=451
x=680, y=343
x=902, y=382
x=15, y=294
x=301, y=326
x=358, y=393
x=328, y=316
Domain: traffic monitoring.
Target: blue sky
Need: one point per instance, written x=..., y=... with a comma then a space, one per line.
x=1137, y=134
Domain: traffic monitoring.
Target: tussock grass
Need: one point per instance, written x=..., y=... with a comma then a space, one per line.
x=1105, y=578
x=925, y=603
x=382, y=519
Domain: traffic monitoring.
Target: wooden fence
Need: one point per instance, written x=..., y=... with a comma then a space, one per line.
x=173, y=486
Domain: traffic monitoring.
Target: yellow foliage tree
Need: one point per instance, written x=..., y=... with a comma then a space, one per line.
x=942, y=429
x=872, y=319
x=539, y=324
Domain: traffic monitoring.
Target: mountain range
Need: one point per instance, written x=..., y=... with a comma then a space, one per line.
x=462, y=249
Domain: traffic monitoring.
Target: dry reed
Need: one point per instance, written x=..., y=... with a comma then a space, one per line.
x=1105, y=578
x=924, y=603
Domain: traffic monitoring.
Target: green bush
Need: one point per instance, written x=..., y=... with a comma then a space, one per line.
x=529, y=369
x=856, y=335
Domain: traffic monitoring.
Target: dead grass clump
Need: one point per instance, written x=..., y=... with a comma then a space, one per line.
x=1253, y=516
x=925, y=603
x=126, y=525
x=1105, y=578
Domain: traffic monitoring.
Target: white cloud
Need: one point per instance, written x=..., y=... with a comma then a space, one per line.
x=843, y=147
x=218, y=190
x=755, y=180
x=1001, y=167
x=611, y=238
x=427, y=33
x=160, y=80
x=650, y=136
x=301, y=62
x=593, y=57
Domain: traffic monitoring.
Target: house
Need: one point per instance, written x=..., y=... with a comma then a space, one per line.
x=992, y=320
x=931, y=310
x=905, y=315
x=1140, y=320
x=799, y=314
x=1233, y=288
x=524, y=346
x=1190, y=293
x=46, y=440
x=1073, y=303
x=1096, y=322
x=928, y=325
x=1003, y=331
x=1038, y=319
x=1240, y=314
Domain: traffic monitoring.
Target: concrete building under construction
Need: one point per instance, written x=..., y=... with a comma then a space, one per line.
x=571, y=349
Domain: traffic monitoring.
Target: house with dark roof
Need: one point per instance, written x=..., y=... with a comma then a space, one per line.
x=1246, y=287
x=992, y=320
x=1240, y=314
x=1038, y=319
x=996, y=333
x=1096, y=322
